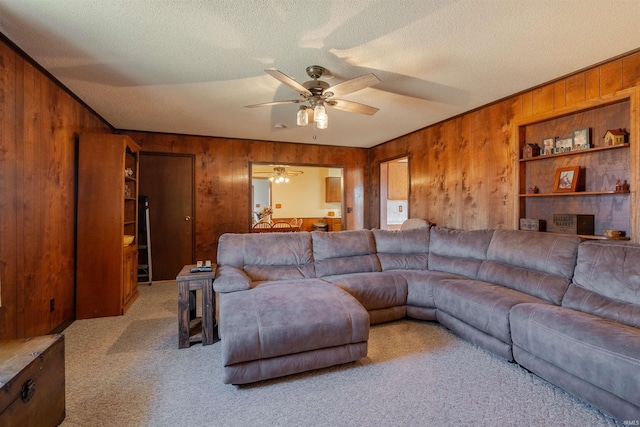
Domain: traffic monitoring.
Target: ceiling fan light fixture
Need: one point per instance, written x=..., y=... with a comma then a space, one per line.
x=323, y=123
x=302, y=117
x=319, y=113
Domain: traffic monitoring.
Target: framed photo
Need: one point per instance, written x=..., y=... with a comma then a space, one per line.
x=548, y=146
x=564, y=145
x=582, y=139
x=566, y=179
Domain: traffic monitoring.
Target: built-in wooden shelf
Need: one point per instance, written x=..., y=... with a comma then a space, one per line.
x=574, y=152
x=589, y=237
x=576, y=193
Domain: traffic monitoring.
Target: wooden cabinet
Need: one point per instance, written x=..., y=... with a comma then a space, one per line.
x=333, y=223
x=398, y=181
x=106, y=268
x=333, y=189
x=600, y=167
x=129, y=275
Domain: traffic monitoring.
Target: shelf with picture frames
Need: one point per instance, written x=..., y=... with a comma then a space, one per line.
x=574, y=152
x=602, y=168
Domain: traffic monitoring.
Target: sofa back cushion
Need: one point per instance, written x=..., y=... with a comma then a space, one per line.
x=344, y=252
x=268, y=256
x=607, y=282
x=402, y=250
x=458, y=251
x=539, y=264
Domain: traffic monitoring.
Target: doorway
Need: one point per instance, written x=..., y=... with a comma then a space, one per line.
x=167, y=180
x=394, y=193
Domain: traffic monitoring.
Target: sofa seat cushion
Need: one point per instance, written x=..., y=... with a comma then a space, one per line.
x=421, y=285
x=402, y=249
x=344, y=252
x=599, y=351
x=458, y=251
x=269, y=322
x=373, y=290
x=485, y=306
x=607, y=282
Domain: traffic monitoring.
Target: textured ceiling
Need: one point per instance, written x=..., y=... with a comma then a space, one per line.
x=190, y=67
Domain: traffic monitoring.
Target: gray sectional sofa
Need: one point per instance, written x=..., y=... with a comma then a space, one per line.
x=565, y=309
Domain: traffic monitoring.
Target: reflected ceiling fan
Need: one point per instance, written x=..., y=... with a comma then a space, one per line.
x=279, y=174
x=318, y=94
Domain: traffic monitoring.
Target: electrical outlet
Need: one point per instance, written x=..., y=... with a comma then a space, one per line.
x=52, y=304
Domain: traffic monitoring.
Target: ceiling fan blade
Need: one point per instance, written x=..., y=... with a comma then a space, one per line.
x=352, y=107
x=354, y=85
x=267, y=104
x=288, y=81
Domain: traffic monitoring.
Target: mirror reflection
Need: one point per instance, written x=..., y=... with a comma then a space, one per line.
x=306, y=197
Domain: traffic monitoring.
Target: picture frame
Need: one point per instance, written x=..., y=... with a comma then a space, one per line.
x=548, y=146
x=582, y=139
x=564, y=145
x=566, y=180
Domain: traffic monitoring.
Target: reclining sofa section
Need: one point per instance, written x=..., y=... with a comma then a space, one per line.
x=565, y=309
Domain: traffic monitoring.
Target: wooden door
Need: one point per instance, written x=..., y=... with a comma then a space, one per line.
x=167, y=181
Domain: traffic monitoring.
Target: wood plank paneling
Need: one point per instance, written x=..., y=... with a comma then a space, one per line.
x=461, y=175
x=560, y=94
x=37, y=201
x=575, y=88
x=462, y=171
x=631, y=70
x=611, y=77
x=8, y=194
x=592, y=83
x=543, y=99
x=222, y=180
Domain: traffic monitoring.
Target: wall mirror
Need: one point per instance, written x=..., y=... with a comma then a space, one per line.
x=287, y=191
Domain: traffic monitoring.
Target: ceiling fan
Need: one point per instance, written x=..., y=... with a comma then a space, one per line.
x=318, y=93
x=279, y=174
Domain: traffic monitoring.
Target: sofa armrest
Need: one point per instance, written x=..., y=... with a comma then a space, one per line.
x=231, y=279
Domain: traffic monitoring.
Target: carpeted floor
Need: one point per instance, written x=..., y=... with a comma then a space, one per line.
x=128, y=371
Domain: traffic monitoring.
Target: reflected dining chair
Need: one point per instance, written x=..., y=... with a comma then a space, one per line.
x=261, y=227
x=282, y=226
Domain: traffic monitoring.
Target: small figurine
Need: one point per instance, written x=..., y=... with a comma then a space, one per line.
x=530, y=150
x=615, y=137
x=533, y=190
x=618, y=187
x=625, y=186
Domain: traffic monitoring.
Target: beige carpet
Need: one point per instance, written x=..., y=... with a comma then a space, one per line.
x=128, y=371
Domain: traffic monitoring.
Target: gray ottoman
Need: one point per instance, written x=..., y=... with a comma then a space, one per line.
x=287, y=327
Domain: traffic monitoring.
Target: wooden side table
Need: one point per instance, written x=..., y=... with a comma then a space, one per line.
x=193, y=329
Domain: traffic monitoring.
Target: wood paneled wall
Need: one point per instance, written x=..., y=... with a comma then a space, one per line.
x=222, y=183
x=38, y=124
x=462, y=170
x=461, y=175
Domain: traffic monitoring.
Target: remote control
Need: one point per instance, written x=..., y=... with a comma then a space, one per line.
x=200, y=269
